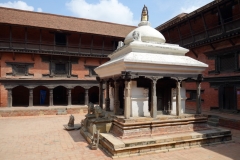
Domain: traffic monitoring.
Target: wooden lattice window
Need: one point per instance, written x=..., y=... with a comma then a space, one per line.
x=60, y=68
x=19, y=69
x=227, y=62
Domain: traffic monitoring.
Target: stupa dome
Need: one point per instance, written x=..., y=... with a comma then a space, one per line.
x=145, y=32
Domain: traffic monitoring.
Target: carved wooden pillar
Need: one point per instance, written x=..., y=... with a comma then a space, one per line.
x=154, y=99
x=198, y=99
x=69, y=68
x=127, y=99
x=9, y=97
x=86, y=96
x=30, y=97
x=178, y=98
x=107, y=100
x=116, y=97
x=50, y=97
x=101, y=93
x=69, y=96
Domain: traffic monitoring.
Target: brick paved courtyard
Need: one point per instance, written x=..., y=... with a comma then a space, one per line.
x=43, y=138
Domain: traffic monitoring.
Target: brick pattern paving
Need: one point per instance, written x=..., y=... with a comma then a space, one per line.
x=43, y=138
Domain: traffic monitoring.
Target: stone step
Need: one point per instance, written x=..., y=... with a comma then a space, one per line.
x=213, y=119
x=117, y=147
x=213, y=116
x=215, y=124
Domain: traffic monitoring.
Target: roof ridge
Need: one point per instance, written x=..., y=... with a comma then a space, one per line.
x=64, y=16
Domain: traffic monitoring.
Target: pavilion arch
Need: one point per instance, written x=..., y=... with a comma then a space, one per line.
x=20, y=96
x=93, y=93
x=60, y=95
x=41, y=96
x=78, y=95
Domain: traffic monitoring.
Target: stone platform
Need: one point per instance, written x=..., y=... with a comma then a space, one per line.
x=117, y=147
x=163, y=124
x=144, y=135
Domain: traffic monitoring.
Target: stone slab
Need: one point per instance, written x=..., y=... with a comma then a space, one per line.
x=76, y=127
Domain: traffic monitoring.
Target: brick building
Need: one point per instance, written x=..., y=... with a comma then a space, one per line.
x=212, y=34
x=49, y=59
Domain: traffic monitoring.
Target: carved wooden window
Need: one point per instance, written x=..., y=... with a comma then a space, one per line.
x=60, y=68
x=227, y=62
x=192, y=95
x=60, y=39
x=92, y=73
x=19, y=69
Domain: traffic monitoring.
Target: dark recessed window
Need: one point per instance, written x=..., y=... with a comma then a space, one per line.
x=60, y=39
x=21, y=69
x=60, y=68
x=192, y=95
x=91, y=71
x=227, y=62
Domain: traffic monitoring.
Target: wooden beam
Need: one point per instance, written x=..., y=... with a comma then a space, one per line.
x=91, y=44
x=204, y=23
x=212, y=46
x=194, y=53
x=191, y=30
x=40, y=40
x=13, y=56
x=10, y=36
x=221, y=19
x=179, y=34
x=169, y=36
x=33, y=57
x=80, y=43
x=103, y=41
x=230, y=40
x=25, y=41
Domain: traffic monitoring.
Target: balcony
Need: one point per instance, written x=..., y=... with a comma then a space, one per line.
x=21, y=45
x=211, y=32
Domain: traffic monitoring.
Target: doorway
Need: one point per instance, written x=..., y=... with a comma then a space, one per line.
x=228, y=98
x=60, y=96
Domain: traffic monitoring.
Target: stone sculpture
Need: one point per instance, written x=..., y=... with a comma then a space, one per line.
x=94, y=138
x=71, y=121
x=90, y=108
x=98, y=111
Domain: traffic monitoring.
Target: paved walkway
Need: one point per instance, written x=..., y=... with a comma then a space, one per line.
x=43, y=138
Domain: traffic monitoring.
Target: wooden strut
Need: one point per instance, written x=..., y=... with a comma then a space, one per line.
x=212, y=46
x=194, y=53
x=13, y=56
x=231, y=41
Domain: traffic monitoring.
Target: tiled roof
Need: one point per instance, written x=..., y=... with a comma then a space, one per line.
x=65, y=23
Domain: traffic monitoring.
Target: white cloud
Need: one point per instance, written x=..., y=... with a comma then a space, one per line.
x=190, y=5
x=189, y=9
x=19, y=5
x=39, y=9
x=104, y=10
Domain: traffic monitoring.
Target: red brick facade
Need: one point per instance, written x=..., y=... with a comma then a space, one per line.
x=212, y=35
x=52, y=61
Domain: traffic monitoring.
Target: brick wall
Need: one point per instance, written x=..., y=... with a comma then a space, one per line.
x=209, y=96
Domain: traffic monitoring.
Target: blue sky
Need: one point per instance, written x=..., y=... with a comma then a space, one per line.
x=116, y=11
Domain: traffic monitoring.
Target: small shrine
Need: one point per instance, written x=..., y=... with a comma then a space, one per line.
x=145, y=97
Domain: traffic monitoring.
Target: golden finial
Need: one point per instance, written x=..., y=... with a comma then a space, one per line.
x=144, y=14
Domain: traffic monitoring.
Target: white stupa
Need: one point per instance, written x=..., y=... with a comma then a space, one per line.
x=145, y=53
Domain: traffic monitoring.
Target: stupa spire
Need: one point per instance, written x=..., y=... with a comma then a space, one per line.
x=144, y=16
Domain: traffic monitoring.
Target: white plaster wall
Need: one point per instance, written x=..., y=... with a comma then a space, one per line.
x=139, y=101
x=183, y=99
